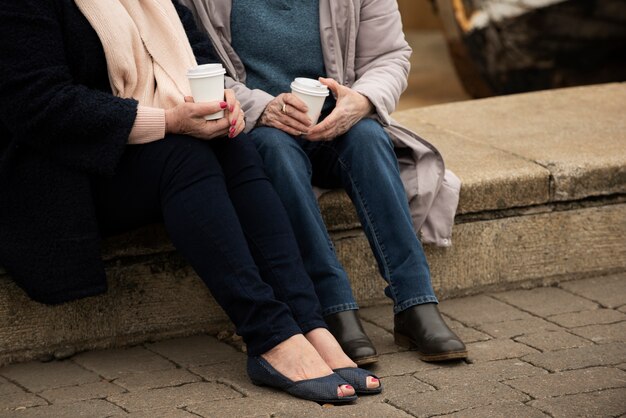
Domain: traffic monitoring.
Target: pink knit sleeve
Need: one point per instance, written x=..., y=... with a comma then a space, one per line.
x=149, y=125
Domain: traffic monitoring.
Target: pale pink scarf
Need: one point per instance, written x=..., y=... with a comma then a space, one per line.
x=146, y=48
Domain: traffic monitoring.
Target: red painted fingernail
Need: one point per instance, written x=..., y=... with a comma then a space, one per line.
x=234, y=122
x=223, y=105
x=231, y=108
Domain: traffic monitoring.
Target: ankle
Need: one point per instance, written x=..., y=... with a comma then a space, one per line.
x=328, y=348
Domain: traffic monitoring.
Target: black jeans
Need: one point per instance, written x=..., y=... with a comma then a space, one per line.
x=223, y=215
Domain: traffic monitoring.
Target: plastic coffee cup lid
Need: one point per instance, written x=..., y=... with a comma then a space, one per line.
x=309, y=86
x=206, y=70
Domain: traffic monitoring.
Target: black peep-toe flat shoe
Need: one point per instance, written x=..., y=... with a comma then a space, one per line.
x=321, y=389
x=358, y=379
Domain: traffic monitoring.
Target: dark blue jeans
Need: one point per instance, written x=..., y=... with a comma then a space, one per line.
x=363, y=163
x=223, y=215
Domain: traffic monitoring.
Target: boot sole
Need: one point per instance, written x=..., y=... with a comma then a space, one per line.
x=405, y=342
x=366, y=360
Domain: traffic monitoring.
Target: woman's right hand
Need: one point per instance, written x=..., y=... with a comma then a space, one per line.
x=188, y=119
x=287, y=113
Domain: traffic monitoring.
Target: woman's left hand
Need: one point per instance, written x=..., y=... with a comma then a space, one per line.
x=351, y=107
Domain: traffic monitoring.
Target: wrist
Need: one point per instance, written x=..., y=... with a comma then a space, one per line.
x=169, y=125
x=262, y=120
x=367, y=108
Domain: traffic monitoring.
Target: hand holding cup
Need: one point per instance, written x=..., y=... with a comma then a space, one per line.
x=350, y=108
x=288, y=113
x=189, y=118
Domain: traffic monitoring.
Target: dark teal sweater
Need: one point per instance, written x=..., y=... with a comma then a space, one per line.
x=277, y=40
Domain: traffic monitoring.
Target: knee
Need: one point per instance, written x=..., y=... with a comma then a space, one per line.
x=237, y=152
x=368, y=141
x=371, y=135
x=185, y=161
x=281, y=153
x=274, y=142
x=187, y=154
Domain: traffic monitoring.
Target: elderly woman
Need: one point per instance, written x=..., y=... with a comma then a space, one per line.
x=99, y=136
x=396, y=180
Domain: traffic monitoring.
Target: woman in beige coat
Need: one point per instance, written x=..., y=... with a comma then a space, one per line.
x=396, y=180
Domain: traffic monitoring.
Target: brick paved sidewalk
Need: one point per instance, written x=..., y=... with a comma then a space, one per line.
x=558, y=351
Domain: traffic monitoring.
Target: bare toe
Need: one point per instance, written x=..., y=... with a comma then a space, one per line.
x=345, y=390
x=372, y=382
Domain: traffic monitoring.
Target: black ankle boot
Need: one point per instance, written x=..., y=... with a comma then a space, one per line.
x=422, y=328
x=347, y=329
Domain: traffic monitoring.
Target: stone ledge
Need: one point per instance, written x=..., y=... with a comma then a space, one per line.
x=529, y=213
x=576, y=134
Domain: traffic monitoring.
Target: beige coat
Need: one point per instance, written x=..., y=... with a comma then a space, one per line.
x=364, y=48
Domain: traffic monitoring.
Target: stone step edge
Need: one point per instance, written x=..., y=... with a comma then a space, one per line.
x=550, y=247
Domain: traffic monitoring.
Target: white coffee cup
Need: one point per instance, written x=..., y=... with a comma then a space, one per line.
x=207, y=85
x=311, y=92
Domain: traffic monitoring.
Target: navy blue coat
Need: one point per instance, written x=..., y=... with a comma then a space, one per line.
x=60, y=126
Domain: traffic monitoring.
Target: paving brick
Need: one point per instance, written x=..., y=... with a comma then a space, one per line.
x=36, y=376
x=176, y=397
x=12, y=401
x=156, y=379
x=499, y=349
x=517, y=327
x=399, y=364
x=446, y=401
x=381, y=338
x=611, y=402
x=381, y=315
x=622, y=366
x=595, y=317
x=622, y=309
x=509, y=410
x=118, y=362
x=358, y=410
x=603, y=334
x=546, y=301
x=579, y=358
x=609, y=291
x=158, y=413
x=467, y=375
x=553, y=340
x=87, y=409
x=233, y=375
x=570, y=382
x=198, y=350
x=398, y=385
x=257, y=407
x=7, y=387
x=480, y=309
x=466, y=334
x=71, y=394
